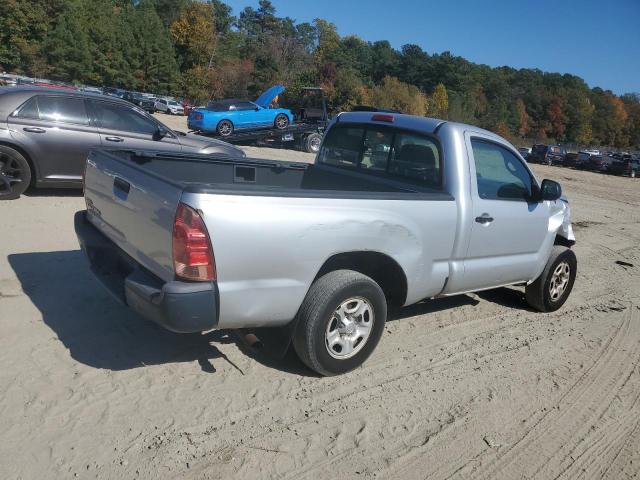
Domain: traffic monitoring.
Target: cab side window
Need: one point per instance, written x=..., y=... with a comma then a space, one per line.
x=500, y=174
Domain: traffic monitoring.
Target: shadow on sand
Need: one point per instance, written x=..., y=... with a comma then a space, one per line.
x=96, y=329
x=101, y=333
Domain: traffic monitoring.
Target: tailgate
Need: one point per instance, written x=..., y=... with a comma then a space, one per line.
x=134, y=208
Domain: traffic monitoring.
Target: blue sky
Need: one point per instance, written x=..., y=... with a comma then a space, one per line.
x=598, y=41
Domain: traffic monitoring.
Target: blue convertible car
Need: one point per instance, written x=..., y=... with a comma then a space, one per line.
x=225, y=116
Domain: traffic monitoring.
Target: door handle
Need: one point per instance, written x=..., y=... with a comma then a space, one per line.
x=121, y=186
x=114, y=139
x=484, y=219
x=34, y=130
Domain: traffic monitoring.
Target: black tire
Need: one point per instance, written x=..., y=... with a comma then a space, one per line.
x=15, y=173
x=318, y=313
x=281, y=121
x=312, y=143
x=539, y=294
x=224, y=128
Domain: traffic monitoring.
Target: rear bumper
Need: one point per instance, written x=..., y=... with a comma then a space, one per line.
x=183, y=307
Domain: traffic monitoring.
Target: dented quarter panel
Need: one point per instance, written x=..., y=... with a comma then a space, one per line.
x=269, y=249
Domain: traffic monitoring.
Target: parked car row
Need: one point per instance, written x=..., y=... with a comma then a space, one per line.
x=607, y=162
x=147, y=101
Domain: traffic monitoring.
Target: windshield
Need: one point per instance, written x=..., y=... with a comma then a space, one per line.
x=174, y=104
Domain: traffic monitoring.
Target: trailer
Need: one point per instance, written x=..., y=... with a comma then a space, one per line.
x=305, y=132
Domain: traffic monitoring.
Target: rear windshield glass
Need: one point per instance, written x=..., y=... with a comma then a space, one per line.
x=384, y=151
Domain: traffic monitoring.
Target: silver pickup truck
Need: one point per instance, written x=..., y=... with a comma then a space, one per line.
x=396, y=209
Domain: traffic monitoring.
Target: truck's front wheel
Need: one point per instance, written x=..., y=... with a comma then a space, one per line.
x=552, y=288
x=340, y=322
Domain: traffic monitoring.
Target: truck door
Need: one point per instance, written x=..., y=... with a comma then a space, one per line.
x=508, y=231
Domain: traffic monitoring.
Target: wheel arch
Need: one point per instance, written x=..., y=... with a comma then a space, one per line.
x=225, y=119
x=565, y=242
x=380, y=267
x=35, y=177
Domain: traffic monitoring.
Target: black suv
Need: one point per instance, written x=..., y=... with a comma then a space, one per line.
x=140, y=100
x=547, y=154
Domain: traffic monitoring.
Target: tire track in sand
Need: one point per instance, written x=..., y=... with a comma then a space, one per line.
x=555, y=445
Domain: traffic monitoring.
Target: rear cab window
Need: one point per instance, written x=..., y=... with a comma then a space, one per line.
x=384, y=151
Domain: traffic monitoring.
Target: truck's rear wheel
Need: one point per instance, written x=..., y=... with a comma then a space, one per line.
x=312, y=143
x=225, y=128
x=15, y=173
x=281, y=122
x=552, y=288
x=340, y=322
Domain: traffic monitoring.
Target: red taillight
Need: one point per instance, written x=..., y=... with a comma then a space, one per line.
x=198, y=116
x=192, y=252
x=379, y=117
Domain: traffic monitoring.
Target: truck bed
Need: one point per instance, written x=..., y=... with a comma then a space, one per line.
x=201, y=174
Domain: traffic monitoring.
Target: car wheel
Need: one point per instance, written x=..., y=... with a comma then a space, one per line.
x=15, y=173
x=312, y=143
x=552, y=288
x=340, y=322
x=225, y=128
x=281, y=122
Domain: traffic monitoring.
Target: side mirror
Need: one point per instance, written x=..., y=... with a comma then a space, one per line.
x=550, y=190
x=161, y=132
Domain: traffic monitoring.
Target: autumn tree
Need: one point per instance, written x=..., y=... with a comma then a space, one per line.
x=501, y=128
x=439, y=102
x=523, y=118
x=395, y=94
x=556, y=118
x=194, y=35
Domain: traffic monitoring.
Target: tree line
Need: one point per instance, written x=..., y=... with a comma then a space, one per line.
x=200, y=50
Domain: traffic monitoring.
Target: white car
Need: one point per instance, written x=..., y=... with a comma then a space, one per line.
x=169, y=106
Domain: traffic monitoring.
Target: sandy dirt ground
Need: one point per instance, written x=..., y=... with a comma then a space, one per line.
x=476, y=386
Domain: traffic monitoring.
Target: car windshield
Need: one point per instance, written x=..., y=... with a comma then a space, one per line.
x=174, y=104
